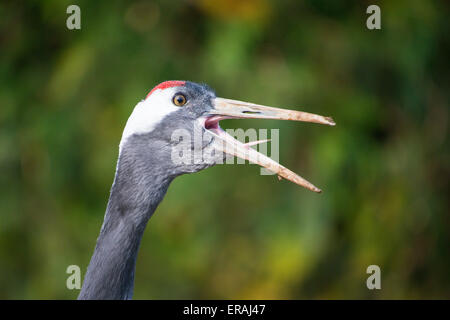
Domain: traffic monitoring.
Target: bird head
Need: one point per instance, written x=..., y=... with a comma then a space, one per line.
x=187, y=114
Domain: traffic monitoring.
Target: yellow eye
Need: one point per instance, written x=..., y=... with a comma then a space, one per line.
x=179, y=99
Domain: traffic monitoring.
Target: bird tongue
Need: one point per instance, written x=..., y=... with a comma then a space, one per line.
x=227, y=144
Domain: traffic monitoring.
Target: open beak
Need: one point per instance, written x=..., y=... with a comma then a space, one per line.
x=232, y=109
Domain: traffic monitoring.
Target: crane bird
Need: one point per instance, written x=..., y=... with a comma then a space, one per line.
x=145, y=168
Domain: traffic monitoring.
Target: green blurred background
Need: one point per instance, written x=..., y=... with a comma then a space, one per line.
x=228, y=232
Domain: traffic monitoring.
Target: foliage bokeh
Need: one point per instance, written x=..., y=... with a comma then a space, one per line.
x=228, y=232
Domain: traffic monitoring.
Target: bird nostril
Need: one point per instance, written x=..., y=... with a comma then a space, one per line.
x=251, y=112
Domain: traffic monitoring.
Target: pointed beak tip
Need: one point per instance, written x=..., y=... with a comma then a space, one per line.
x=330, y=121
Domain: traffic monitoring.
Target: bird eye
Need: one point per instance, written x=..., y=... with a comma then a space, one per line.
x=179, y=99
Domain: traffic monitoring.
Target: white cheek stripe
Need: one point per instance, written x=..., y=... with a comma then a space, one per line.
x=148, y=113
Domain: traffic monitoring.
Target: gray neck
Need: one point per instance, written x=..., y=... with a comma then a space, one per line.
x=139, y=186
